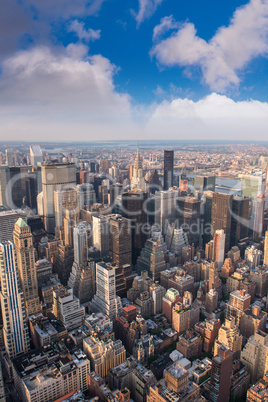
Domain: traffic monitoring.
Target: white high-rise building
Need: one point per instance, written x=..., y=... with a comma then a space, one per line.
x=81, y=278
x=66, y=308
x=15, y=329
x=138, y=181
x=100, y=231
x=257, y=215
x=165, y=208
x=80, y=243
x=219, y=247
x=36, y=155
x=105, y=299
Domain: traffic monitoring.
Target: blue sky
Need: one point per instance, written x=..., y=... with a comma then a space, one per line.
x=111, y=69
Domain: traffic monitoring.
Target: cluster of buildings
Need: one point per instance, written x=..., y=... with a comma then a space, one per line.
x=117, y=288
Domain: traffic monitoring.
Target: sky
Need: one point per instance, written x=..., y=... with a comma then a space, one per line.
x=88, y=70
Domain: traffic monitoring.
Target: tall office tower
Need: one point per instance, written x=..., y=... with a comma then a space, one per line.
x=23, y=241
x=120, y=240
x=259, y=276
x=138, y=181
x=10, y=157
x=251, y=185
x=134, y=208
x=204, y=183
x=152, y=259
x=229, y=335
x=189, y=217
x=115, y=190
x=221, y=215
x=165, y=208
x=81, y=278
x=265, y=256
x=240, y=219
x=239, y=301
x=55, y=176
x=206, y=213
x=214, y=281
x=253, y=257
x=176, y=239
x=157, y=293
x=15, y=329
x=86, y=195
x=8, y=218
x=100, y=230
x=105, y=299
x=36, y=155
x=66, y=308
x=168, y=169
x=211, y=302
x=255, y=355
x=257, y=216
x=218, y=247
x=66, y=205
x=31, y=190
x=63, y=261
x=221, y=375
x=80, y=243
x=4, y=179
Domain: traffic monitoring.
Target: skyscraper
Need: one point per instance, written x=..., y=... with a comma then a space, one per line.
x=105, y=299
x=15, y=329
x=23, y=241
x=218, y=248
x=257, y=215
x=137, y=181
x=265, y=257
x=221, y=215
x=100, y=230
x=240, y=219
x=168, y=169
x=221, y=375
x=55, y=176
x=120, y=240
x=36, y=155
x=134, y=207
x=152, y=259
x=188, y=213
x=81, y=278
x=165, y=208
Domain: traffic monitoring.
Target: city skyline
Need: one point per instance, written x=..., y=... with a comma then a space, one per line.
x=111, y=70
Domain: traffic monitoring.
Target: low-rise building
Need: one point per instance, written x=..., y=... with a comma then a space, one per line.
x=104, y=355
x=190, y=344
x=49, y=373
x=259, y=391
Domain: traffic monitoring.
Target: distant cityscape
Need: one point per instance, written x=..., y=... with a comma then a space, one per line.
x=134, y=271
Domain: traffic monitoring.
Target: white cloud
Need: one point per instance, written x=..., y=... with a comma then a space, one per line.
x=213, y=117
x=60, y=93
x=146, y=9
x=227, y=53
x=82, y=33
x=166, y=24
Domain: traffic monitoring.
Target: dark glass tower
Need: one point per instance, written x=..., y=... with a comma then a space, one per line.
x=168, y=169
